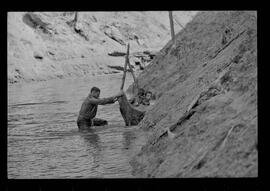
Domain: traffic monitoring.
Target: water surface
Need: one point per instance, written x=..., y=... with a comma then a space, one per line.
x=43, y=138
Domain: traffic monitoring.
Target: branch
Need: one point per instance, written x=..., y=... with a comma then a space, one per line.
x=125, y=69
x=133, y=75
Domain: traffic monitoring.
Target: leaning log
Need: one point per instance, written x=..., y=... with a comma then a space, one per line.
x=134, y=78
x=116, y=53
x=125, y=69
x=120, y=68
x=130, y=115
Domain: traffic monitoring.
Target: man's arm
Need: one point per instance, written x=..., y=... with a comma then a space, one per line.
x=102, y=101
x=108, y=100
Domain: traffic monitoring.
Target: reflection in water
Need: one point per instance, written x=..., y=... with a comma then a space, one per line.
x=93, y=146
x=128, y=138
x=91, y=139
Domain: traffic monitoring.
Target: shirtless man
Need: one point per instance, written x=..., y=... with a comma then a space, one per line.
x=89, y=108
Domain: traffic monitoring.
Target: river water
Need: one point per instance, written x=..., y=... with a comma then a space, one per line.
x=43, y=138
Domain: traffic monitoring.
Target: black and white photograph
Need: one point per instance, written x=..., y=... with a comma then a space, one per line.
x=132, y=94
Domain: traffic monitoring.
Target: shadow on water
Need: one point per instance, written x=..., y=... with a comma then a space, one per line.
x=129, y=136
x=91, y=139
x=93, y=146
x=112, y=147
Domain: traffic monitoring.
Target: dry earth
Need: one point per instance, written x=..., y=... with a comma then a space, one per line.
x=45, y=45
x=206, y=89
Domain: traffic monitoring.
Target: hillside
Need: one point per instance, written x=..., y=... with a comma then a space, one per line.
x=46, y=45
x=206, y=90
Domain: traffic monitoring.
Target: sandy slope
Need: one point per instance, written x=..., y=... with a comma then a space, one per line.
x=206, y=87
x=42, y=45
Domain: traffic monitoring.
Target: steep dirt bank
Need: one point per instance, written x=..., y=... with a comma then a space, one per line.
x=206, y=85
x=45, y=45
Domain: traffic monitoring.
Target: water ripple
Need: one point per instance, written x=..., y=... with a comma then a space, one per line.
x=38, y=103
x=44, y=141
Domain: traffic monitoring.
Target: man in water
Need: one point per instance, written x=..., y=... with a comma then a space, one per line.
x=147, y=98
x=141, y=98
x=137, y=100
x=89, y=107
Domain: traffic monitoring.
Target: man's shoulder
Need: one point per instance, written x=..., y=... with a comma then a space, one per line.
x=90, y=98
x=93, y=100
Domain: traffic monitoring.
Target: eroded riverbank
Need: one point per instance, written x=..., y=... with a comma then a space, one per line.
x=206, y=87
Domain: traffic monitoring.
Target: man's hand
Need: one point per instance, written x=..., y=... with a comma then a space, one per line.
x=119, y=94
x=115, y=99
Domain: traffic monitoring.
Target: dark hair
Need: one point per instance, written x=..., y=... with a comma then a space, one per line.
x=148, y=92
x=96, y=89
x=141, y=91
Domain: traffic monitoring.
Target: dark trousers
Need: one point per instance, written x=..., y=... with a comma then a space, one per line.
x=93, y=122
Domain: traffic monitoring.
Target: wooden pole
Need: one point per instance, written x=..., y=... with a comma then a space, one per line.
x=172, y=27
x=134, y=77
x=76, y=18
x=125, y=69
x=130, y=115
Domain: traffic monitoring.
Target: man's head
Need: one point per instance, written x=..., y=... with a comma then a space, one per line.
x=148, y=95
x=141, y=92
x=95, y=91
